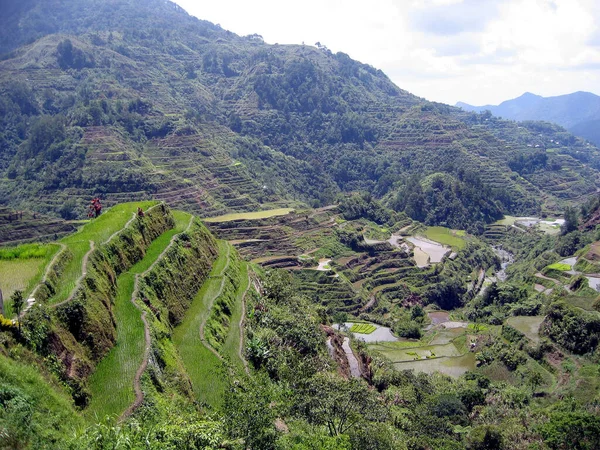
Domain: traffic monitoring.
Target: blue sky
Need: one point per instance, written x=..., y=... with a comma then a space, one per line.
x=476, y=51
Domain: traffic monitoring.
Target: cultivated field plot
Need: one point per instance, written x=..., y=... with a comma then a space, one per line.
x=18, y=274
x=528, y=325
x=250, y=215
x=446, y=236
x=202, y=365
x=434, y=252
x=363, y=328
x=22, y=267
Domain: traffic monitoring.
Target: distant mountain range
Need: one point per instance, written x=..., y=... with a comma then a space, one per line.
x=578, y=112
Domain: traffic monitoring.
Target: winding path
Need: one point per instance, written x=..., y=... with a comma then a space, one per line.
x=137, y=387
x=352, y=361
x=63, y=247
x=124, y=227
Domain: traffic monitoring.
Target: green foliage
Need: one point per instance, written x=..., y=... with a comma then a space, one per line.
x=571, y=221
x=338, y=404
x=485, y=437
x=365, y=206
x=249, y=412
x=572, y=430
x=576, y=330
x=32, y=413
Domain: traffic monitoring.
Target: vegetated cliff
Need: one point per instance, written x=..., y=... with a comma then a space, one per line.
x=138, y=99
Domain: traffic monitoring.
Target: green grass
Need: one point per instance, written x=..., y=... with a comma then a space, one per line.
x=97, y=230
x=45, y=416
x=250, y=215
x=446, y=236
x=201, y=364
x=21, y=268
x=232, y=344
x=18, y=274
x=559, y=266
x=363, y=328
x=26, y=251
x=111, y=384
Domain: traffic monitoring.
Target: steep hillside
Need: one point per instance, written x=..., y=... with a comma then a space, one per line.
x=138, y=100
x=578, y=112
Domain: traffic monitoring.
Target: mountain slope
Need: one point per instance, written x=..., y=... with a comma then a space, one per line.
x=578, y=112
x=134, y=100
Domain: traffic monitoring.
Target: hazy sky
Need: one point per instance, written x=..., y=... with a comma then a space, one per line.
x=476, y=51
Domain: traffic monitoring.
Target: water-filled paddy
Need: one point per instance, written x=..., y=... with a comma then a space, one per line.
x=452, y=366
x=433, y=250
x=528, y=325
x=381, y=334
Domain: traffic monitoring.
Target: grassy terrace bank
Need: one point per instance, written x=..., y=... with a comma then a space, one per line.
x=202, y=362
x=111, y=385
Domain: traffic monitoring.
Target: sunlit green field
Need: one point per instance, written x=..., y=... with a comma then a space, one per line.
x=201, y=364
x=21, y=268
x=250, y=215
x=232, y=345
x=446, y=236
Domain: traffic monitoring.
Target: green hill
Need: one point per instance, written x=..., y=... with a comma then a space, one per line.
x=138, y=100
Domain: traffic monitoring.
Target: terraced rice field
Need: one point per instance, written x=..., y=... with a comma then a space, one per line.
x=363, y=328
x=111, y=384
x=19, y=275
x=446, y=236
x=528, y=325
x=98, y=230
x=201, y=363
x=250, y=215
x=434, y=251
x=233, y=346
x=22, y=272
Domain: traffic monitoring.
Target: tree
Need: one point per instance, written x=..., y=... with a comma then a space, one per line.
x=18, y=302
x=571, y=221
x=573, y=430
x=341, y=405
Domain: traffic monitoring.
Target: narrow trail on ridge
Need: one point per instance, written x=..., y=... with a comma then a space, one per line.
x=49, y=266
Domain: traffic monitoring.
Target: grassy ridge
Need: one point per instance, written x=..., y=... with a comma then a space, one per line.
x=98, y=231
x=34, y=414
x=201, y=364
x=111, y=384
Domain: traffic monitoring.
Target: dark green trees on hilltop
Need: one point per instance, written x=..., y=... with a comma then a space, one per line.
x=137, y=88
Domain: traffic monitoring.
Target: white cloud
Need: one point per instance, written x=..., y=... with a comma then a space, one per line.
x=478, y=51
